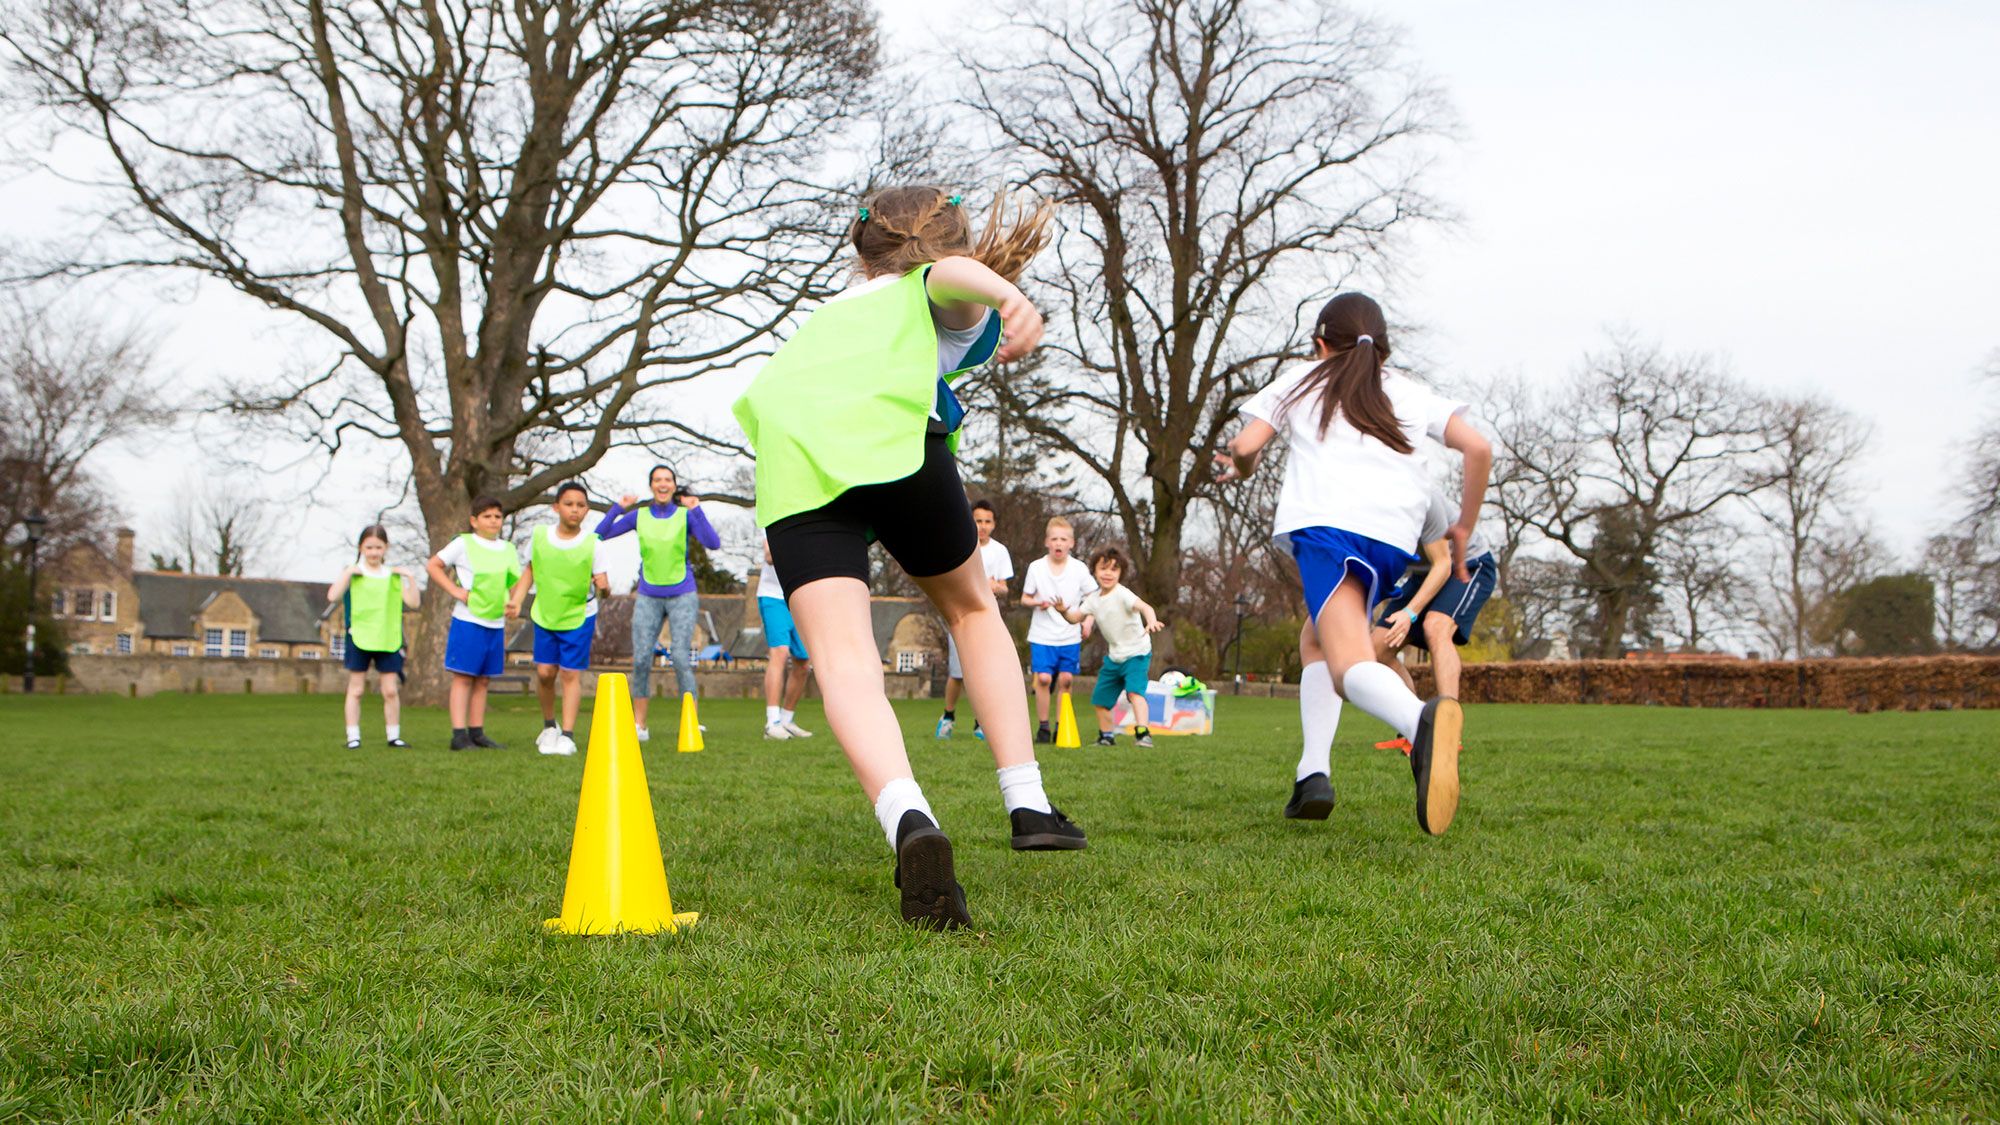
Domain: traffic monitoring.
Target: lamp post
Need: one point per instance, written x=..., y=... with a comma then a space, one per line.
x=35, y=522
x=1236, y=642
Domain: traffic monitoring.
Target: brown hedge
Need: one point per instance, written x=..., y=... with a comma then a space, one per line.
x=1905, y=684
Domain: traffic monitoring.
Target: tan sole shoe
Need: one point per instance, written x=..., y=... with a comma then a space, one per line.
x=1434, y=762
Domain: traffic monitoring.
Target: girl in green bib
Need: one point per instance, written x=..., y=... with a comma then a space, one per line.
x=562, y=568
x=372, y=597
x=853, y=422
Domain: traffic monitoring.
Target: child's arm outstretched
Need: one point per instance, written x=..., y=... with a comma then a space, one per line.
x=1461, y=435
x=1439, y=554
x=963, y=289
x=1146, y=614
x=1241, y=456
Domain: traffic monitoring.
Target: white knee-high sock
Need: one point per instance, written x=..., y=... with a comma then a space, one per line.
x=895, y=799
x=1376, y=689
x=1021, y=787
x=1319, y=715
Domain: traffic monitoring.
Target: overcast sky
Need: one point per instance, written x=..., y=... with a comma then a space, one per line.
x=1805, y=189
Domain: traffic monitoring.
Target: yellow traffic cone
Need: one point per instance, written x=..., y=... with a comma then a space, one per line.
x=690, y=725
x=617, y=878
x=1066, y=736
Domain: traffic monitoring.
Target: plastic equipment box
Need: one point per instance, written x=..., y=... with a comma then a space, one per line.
x=1169, y=713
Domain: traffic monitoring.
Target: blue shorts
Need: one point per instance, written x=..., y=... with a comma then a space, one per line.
x=1460, y=601
x=1115, y=678
x=475, y=650
x=779, y=629
x=1052, y=659
x=569, y=648
x=387, y=663
x=1328, y=556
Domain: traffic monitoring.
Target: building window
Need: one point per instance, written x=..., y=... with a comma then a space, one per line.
x=58, y=604
x=183, y=650
x=124, y=644
x=309, y=654
x=107, y=607
x=239, y=642
x=268, y=653
x=83, y=603
x=909, y=661
x=338, y=647
x=211, y=642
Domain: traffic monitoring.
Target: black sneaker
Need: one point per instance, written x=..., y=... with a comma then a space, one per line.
x=1434, y=762
x=1312, y=798
x=1045, y=831
x=461, y=740
x=398, y=744
x=1044, y=736
x=1143, y=738
x=932, y=897
x=480, y=740
x=1106, y=738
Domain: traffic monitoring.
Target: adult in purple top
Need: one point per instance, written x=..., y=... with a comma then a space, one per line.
x=674, y=600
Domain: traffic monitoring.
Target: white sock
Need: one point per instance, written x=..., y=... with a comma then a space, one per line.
x=897, y=798
x=1319, y=715
x=771, y=715
x=395, y=730
x=353, y=734
x=786, y=716
x=1021, y=787
x=1375, y=688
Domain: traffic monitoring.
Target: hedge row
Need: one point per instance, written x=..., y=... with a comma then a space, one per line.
x=1905, y=684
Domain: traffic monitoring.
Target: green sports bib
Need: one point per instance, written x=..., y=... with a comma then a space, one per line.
x=375, y=613
x=493, y=575
x=562, y=580
x=845, y=402
x=663, y=546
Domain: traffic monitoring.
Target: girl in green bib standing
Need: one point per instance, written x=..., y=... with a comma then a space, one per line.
x=372, y=597
x=665, y=593
x=562, y=568
x=478, y=569
x=854, y=425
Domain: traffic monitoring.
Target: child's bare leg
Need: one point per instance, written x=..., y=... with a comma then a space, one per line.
x=774, y=675
x=795, y=689
x=392, y=699
x=1104, y=720
x=952, y=688
x=461, y=697
x=833, y=615
x=1344, y=635
x=545, y=688
x=1140, y=716
x=1442, y=633
x=1041, y=695
x=987, y=656
x=476, y=705
x=572, y=697
x=357, y=686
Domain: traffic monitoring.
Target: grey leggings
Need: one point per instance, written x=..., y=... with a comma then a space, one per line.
x=679, y=613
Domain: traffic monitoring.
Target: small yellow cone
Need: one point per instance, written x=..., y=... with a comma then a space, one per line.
x=1066, y=736
x=617, y=878
x=690, y=725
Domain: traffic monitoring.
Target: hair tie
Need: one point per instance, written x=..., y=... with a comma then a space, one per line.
x=954, y=200
x=864, y=214
x=1364, y=338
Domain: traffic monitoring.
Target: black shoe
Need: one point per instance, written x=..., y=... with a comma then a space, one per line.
x=461, y=740
x=1143, y=739
x=354, y=744
x=1045, y=831
x=398, y=744
x=1106, y=738
x=1044, y=736
x=480, y=740
x=932, y=898
x=1434, y=762
x=1312, y=798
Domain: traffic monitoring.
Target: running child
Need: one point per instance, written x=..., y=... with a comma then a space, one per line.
x=562, y=569
x=787, y=651
x=1128, y=625
x=1055, y=646
x=999, y=565
x=853, y=422
x=1439, y=615
x=478, y=570
x=372, y=597
x=1350, y=511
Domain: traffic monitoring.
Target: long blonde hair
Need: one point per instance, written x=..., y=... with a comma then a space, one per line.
x=901, y=228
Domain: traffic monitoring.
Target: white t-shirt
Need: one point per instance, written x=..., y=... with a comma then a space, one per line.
x=1439, y=519
x=557, y=541
x=1348, y=480
x=1068, y=587
x=1118, y=618
x=768, y=585
x=998, y=561
x=955, y=345
x=454, y=556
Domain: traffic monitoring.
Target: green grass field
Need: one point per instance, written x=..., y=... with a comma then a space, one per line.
x=208, y=909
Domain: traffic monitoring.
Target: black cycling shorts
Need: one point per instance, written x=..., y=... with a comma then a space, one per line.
x=923, y=520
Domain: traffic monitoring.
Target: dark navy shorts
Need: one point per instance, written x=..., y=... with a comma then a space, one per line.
x=360, y=660
x=1460, y=601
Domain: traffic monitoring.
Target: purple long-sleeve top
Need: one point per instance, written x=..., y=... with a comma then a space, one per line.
x=618, y=521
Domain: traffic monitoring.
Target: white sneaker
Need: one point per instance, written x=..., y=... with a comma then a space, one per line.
x=561, y=744
x=644, y=734
x=797, y=730
x=777, y=731
x=548, y=735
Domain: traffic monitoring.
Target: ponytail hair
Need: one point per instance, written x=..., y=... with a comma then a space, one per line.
x=901, y=228
x=1348, y=382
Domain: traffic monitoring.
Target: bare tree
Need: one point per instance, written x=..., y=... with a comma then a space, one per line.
x=1813, y=444
x=500, y=219
x=1700, y=579
x=1227, y=162
x=1605, y=464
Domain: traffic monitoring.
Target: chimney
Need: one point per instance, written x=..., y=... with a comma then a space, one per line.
x=123, y=555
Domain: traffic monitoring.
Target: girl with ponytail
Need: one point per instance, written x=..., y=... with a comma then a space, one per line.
x=1349, y=512
x=372, y=596
x=854, y=425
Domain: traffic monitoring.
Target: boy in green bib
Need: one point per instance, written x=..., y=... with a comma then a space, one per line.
x=562, y=569
x=372, y=597
x=853, y=422
x=478, y=570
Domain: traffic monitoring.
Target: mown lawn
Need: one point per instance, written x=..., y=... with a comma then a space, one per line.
x=209, y=910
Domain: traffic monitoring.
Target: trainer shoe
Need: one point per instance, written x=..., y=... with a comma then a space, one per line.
x=546, y=738
x=944, y=728
x=480, y=740
x=978, y=731
x=561, y=744
x=932, y=897
x=1106, y=738
x=1312, y=798
x=354, y=744
x=797, y=730
x=1143, y=738
x=398, y=744
x=776, y=732
x=1045, y=831
x=1044, y=736
x=645, y=735
x=1434, y=763
x=461, y=740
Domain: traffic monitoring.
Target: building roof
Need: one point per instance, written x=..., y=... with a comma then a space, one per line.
x=288, y=612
